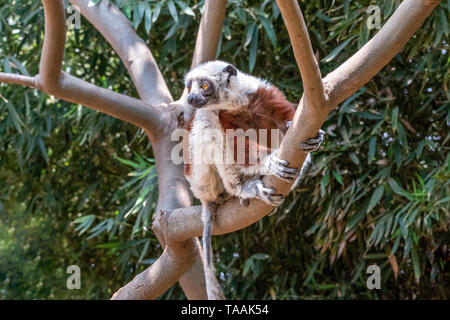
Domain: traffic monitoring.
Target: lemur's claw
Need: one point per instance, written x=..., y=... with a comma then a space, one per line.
x=280, y=168
x=288, y=124
x=313, y=144
x=268, y=195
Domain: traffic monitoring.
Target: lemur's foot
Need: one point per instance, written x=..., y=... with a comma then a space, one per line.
x=280, y=167
x=267, y=194
x=313, y=144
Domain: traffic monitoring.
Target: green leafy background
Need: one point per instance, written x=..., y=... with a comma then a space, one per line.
x=78, y=187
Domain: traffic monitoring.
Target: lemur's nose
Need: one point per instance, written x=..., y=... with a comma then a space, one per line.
x=191, y=99
x=194, y=98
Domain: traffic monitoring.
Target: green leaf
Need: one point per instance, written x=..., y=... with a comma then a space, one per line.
x=43, y=148
x=415, y=259
x=17, y=122
x=358, y=216
x=443, y=18
x=260, y=256
x=129, y=163
x=372, y=149
x=354, y=158
x=369, y=115
x=173, y=10
x=249, y=34
x=412, y=217
x=269, y=29
x=186, y=9
x=376, y=196
x=148, y=18
x=156, y=11
x=323, y=17
x=394, y=118
x=6, y=65
x=337, y=176
x=247, y=266
x=109, y=245
x=84, y=223
x=20, y=66
x=395, y=187
x=388, y=5
x=253, y=50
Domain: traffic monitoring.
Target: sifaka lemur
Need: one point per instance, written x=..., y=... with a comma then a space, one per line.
x=232, y=107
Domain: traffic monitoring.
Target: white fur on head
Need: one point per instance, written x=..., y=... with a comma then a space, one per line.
x=233, y=93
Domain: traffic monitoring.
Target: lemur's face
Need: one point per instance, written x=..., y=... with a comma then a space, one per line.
x=201, y=91
x=206, y=83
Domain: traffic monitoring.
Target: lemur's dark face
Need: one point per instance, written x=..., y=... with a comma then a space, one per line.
x=201, y=91
x=205, y=87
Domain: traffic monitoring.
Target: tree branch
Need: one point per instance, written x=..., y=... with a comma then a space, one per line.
x=134, y=53
x=303, y=52
x=120, y=106
x=170, y=266
x=185, y=223
x=54, y=42
x=209, y=32
x=18, y=79
x=52, y=81
x=375, y=54
x=193, y=281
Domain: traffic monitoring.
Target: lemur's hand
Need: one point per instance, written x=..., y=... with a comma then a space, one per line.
x=313, y=144
x=281, y=169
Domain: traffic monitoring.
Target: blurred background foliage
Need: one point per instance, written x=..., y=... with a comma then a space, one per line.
x=78, y=187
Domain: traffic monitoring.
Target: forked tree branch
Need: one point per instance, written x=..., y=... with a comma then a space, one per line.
x=193, y=281
x=134, y=53
x=182, y=224
x=52, y=80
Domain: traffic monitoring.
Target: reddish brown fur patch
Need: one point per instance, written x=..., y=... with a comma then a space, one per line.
x=268, y=109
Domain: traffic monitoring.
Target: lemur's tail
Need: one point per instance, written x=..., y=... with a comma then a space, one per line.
x=212, y=284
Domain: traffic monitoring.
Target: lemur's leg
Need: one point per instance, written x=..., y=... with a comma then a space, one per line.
x=281, y=169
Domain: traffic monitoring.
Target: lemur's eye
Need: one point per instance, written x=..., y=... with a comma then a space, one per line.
x=205, y=86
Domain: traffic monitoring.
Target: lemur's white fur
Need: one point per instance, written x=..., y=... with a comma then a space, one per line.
x=212, y=180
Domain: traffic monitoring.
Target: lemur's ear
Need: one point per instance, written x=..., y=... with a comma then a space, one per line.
x=230, y=69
